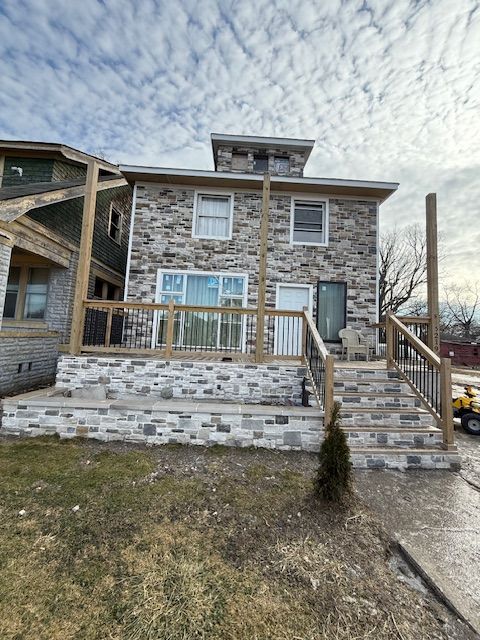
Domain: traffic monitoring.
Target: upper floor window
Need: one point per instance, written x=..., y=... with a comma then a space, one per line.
x=212, y=216
x=115, y=223
x=309, y=222
x=282, y=164
x=260, y=163
x=239, y=161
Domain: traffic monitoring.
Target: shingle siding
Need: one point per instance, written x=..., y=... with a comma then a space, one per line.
x=34, y=170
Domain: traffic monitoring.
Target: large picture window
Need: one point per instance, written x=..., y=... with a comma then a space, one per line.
x=331, y=309
x=203, y=328
x=309, y=222
x=26, y=295
x=213, y=216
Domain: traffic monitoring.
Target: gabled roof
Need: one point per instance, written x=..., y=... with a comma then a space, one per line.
x=325, y=186
x=25, y=148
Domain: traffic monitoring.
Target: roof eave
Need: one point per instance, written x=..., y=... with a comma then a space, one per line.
x=377, y=190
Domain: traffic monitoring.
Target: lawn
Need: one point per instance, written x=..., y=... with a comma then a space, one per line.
x=178, y=543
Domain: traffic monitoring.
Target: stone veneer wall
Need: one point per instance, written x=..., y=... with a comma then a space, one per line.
x=28, y=360
x=252, y=383
x=162, y=239
x=224, y=159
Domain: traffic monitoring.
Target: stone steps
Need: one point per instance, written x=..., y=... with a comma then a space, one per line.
x=391, y=437
x=386, y=416
x=386, y=458
x=375, y=399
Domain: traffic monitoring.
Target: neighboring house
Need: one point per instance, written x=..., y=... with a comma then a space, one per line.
x=461, y=352
x=41, y=204
x=195, y=236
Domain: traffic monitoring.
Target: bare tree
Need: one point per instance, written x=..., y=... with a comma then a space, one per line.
x=403, y=267
x=462, y=306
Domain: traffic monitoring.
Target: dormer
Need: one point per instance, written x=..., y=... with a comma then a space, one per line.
x=257, y=154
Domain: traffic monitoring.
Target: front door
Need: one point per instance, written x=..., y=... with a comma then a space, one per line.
x=288, y=330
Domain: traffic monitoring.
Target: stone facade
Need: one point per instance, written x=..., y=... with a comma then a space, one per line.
x=213, y=381
x=296, y=160
x=162, y=239
x=28, y=360
x=154, y=421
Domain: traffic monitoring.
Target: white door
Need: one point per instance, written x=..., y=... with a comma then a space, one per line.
x=288, y=331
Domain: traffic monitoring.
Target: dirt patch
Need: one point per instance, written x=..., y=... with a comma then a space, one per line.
x=185, y=542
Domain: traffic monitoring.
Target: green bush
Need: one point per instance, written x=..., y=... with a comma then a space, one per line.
x=334, y=479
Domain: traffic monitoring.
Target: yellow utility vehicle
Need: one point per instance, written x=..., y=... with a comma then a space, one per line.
x=467, y=408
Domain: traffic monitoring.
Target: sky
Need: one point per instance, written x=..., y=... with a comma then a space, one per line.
x=390, y=90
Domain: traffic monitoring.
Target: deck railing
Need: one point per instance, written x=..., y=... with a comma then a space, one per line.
x=320, y=366
x=170, y=329
x=427, y=374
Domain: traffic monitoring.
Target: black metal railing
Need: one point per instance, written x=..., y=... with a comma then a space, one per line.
x=190, y=329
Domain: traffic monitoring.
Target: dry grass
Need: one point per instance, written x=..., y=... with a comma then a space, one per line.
x=182, y=543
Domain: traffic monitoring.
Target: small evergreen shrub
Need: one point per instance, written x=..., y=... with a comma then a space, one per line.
x=334, y=479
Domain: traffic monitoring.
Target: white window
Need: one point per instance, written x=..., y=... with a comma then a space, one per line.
x=213, y=213
x=115, y=223
x=203, y=328
x=309, y=223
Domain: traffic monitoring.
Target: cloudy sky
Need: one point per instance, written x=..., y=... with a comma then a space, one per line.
x=389, y=89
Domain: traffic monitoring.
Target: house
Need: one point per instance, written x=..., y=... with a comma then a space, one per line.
x=42, y=189
x=464, y=352
x=195, y=237
x=238, y=282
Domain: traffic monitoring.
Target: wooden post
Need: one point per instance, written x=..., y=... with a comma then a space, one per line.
x=446, y=402
x=262, y=269
x=170, y=328
x=108, y=328
x=2, y=169
x=85, y=257
x=432, y=273
x=304, y=332
x=328, y=408
x=389, y=339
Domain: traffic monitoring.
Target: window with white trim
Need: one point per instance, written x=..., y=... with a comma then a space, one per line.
x=203, y=328
x=213, y=216
x=309, y=222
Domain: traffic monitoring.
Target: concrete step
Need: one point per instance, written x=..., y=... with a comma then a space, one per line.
x=385, y=458
x=391, y=437
x=377, y=399
x=386, y=416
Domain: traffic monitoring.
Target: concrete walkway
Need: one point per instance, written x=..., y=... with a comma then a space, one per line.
x=435, y=516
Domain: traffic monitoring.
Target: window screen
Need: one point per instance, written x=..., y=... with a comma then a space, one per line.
x=260, y=163
x=309, y=222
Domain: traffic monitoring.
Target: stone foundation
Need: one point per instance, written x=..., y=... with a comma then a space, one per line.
x=226, y=381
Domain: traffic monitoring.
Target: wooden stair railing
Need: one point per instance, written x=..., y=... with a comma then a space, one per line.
x=427, y=374
x=320, y=365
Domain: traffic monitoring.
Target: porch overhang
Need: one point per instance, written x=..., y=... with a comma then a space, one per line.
x=16, y=201
x=379, y=191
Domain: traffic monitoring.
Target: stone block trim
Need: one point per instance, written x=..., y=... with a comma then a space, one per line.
x=27, y=362
x=171, y=422
x=165, y=422
x=226, y=381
